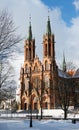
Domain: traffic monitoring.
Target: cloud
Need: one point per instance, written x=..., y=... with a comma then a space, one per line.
x=66, y=37
x=76, y=4
x=73, y=40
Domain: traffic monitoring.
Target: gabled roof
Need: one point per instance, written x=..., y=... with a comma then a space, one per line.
x=62, y=74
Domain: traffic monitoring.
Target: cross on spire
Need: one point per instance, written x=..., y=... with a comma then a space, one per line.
x=48, y=31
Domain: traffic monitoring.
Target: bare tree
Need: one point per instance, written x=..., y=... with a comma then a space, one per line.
x=8, y=43
x=67, y=86
x=6, y=80
x=8, y=37
x=68, y=67
x=66, y=91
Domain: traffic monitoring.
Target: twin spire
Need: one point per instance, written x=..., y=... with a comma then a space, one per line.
x=48, y=32
x=48, y=29
x=30, y=30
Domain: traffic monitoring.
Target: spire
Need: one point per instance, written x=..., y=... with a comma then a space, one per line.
x=64, y=63
x=48, y=31
x=30, y=30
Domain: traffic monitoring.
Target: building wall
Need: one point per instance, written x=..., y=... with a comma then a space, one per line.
x=40, y=82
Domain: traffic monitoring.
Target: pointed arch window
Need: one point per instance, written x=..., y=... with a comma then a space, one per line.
x=47, y=67
x=36, y=68
x=35, y=82
x=29, y=50
x=49, y=49
x=45, y=50
x=27, y=54
x=47, y=82
x=27, y=69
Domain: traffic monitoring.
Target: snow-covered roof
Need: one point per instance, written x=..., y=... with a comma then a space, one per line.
x=62, y=74
x=76, y=75
x=65, y=75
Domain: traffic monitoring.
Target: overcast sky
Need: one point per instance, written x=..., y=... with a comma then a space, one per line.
x=64, y=18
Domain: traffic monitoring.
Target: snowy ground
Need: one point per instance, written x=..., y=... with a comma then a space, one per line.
x=18, y=121
x=23, y=124
x=54, y=113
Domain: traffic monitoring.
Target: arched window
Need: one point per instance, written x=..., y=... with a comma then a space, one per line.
x=27, y=54
x=30, y=51
x=47, y=67
x=47, y=82
x=26, y=69
x=49, y=49
x=36, y=68
x=45, y=50
x=36, y=82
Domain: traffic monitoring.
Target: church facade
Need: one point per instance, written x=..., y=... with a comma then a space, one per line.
x=41, y=81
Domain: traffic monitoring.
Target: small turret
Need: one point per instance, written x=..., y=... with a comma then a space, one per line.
x=64, y=63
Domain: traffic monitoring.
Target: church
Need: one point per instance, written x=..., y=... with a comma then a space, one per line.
x=43, y=84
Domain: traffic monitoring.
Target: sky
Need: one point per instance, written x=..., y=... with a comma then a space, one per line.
x=64, y=19
x=67, y=8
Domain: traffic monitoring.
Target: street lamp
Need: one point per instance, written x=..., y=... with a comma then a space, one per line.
x=41, y=91
x=30, y=94
x=30, y=104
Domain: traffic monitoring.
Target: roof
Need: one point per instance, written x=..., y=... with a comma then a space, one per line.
x=76, y=75
x=62, y=74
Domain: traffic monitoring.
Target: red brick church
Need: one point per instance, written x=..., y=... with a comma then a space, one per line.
x=42, y=82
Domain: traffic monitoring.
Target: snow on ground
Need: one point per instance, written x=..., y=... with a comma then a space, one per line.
x=18, y=121
x=21, y=124
x=54, y=113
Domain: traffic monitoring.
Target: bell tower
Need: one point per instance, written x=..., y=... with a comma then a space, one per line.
x=49, y=63
x=48, y=42
x=29, y=48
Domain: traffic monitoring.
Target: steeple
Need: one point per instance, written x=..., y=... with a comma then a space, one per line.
x=48, y=42
x=48, y=31
x=64, y=63
x=30, y=31
x=29, y=48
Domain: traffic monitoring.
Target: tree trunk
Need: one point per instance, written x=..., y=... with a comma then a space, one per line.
x=65, y=114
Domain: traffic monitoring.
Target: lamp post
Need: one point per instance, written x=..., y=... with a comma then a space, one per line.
x=0, y=79
x=37, y=108
x=30, y=94
x=11, y=100
x=30, y=105
x=41, y=92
